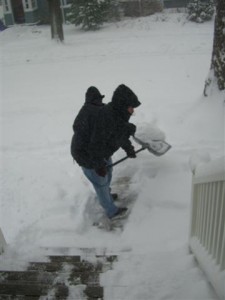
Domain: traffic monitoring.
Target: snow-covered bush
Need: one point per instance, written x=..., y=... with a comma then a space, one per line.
x=90, y=14
x=200, y=11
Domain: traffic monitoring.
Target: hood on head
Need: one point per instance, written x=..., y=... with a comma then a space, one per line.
x=93, y=96
x=123, y=97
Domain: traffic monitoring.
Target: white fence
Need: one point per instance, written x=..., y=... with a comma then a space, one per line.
x=2, y=242
x=207, y=232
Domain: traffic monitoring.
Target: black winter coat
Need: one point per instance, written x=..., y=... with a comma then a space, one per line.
x=83, y=126
x=110, y=133
x=99, y=131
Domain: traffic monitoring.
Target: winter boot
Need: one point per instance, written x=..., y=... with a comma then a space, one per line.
x=114, y=196
x=121, y=213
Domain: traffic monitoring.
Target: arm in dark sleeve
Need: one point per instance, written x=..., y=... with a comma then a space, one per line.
x=126, y=145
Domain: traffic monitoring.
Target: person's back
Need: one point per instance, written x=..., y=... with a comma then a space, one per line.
x=83, y=126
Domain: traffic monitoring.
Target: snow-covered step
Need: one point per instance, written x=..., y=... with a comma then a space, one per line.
x=11, y=288
x=57, y=277
x=89, y=254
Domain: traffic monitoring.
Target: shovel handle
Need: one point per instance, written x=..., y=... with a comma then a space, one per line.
x=124, y=158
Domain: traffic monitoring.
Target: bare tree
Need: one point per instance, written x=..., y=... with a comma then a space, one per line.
x=217, y=69
x=56, y=20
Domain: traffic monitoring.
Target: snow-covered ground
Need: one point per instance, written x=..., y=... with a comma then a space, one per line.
x=45, y=199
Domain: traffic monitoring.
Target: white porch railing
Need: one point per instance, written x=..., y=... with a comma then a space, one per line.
x=207, y=232
x=2, y=242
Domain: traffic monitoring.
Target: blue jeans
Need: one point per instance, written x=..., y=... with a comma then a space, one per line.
x=102, y=189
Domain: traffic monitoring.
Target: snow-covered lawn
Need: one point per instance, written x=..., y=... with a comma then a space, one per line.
x=45, y=199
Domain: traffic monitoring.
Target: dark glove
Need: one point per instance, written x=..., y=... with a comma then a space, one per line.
x=130, y=152
x=101, y=171
x=132, y=129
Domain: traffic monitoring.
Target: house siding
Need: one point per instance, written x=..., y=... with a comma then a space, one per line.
x=8, y=19
x=131, y=8
x=39, y=14
x=32, y=17
x=136, y=8
x=43, y=11
x=175, y=3
x=1, y=11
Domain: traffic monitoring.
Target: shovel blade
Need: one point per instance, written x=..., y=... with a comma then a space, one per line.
x=156, y=147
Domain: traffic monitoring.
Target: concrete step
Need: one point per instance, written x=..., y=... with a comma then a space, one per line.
x=27, y=276
x=77, y=258
x=59, y=266
x=21, y=288
x=94, y=292
x=55, y=276
x=19, y=297
x=65, y=258
x=34, y=291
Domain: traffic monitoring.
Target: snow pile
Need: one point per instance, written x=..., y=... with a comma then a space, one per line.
x=45, y=199
x=149, y=131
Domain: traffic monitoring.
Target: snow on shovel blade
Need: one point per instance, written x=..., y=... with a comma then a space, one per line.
x=157, y=147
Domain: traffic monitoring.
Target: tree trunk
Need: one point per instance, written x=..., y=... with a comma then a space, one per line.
x=218, y=53
x=56, y=20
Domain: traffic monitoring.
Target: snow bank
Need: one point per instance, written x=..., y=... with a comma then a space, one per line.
x=212, y=171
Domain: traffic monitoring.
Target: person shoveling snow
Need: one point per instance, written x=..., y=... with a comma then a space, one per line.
x=99, y=131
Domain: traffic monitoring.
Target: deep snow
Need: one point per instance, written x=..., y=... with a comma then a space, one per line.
x=45, y=199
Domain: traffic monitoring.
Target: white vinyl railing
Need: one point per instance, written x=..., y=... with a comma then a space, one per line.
x=207, y=232
x=2, y=242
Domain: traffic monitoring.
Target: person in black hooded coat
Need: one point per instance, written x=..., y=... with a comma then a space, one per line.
x=83, y=126
x=98, y=133
x=112, y=128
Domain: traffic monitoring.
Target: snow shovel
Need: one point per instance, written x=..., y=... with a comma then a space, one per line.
x=156, y=147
